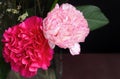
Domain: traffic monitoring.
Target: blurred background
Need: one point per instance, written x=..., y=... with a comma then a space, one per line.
x=107, y=38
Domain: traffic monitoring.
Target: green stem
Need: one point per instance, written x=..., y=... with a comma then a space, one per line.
x=53, y=5
x=17, y=75
x=35, y=7
x=47, y=76
x=39, y=8
x=66, y=0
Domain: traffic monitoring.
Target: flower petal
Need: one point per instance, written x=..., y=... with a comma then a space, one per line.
x=75, y=50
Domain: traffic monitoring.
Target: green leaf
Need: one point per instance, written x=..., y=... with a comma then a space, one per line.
x=94, y=16
x=53, y=5
x=23, y=16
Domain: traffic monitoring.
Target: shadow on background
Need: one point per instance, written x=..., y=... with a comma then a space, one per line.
x=91, y=66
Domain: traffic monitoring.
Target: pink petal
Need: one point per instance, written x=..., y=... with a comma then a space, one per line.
x=33, y=69
x=75, y=50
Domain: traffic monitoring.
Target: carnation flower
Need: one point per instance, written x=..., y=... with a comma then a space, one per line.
x=25, y=47
x=65, y=26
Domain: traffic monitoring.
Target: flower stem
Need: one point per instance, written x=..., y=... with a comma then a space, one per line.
x=39, y=8
x=47, y=76
x=35, y=7
x=17, y=75
x=66, y=0
x=53, y=5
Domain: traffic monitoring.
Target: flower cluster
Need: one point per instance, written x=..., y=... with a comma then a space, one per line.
x=29, y=45
x=66, y=27
x=26, y=48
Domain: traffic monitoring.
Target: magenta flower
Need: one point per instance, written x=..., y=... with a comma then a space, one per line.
x=25, y=47
x=65, y=27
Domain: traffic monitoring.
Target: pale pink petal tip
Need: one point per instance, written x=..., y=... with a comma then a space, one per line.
x=52, y=46
x=75, y=50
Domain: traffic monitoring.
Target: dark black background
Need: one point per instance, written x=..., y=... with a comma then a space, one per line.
x=107, y=38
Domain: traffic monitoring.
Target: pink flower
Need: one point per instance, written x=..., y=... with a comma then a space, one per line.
x=65, y=26
x=26, y=48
